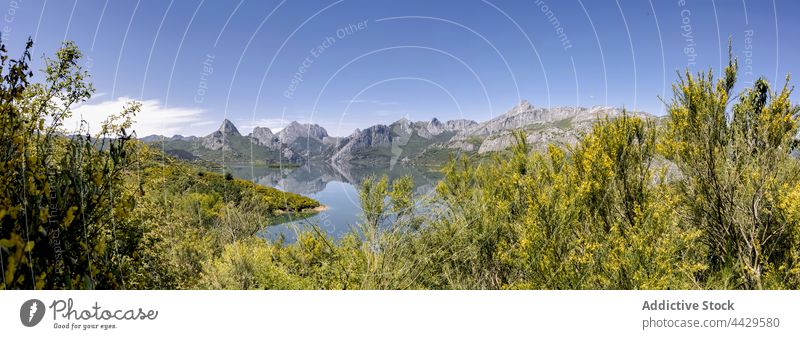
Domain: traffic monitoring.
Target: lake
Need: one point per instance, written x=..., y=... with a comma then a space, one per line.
x=333, y=186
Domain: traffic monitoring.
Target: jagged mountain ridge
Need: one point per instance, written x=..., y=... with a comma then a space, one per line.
x=560, y=125
x=403, y=141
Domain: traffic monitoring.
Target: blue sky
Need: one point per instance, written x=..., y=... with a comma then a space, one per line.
x=354, y=63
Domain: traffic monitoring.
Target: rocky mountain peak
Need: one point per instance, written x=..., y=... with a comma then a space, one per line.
x=403, y=126
x=435, y=127
x=219, y=139
x=459, y=124
x=523, y=107
x=402, y=121
x=228, y=127
x=375, y=136
x=403, y=140
x=262, y=131
x=297, y=130
x=263, y=136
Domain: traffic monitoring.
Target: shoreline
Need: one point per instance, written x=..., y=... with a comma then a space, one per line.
x=320, y=208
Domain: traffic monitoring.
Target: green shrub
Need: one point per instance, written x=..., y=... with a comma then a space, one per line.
x=64, y=201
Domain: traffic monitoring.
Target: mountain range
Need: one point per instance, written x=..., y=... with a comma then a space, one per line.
x=405, y=141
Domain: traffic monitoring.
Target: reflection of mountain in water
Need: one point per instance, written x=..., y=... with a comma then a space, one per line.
x=335, y=186
x=312, y=178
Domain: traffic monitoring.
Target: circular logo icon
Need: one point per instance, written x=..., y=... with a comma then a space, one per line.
x=31, y=312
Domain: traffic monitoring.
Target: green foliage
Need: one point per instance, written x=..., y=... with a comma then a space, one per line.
x=582, y=218
x=194, y=219
x=240, y=150
x=249, y=265
x=388, y=229
x=736, y=168
x=64, y=201
x=630, y=232
x=708, y=198
x=104, y=211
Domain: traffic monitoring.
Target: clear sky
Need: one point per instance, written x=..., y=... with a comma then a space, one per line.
x=353, y=63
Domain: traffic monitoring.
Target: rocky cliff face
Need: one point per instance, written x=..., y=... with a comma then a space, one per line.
x=228, y=127
x=220, y=139
x=403, y=140
x=430, y=129
x=297, y=130
x=525, y=114
x=459, y=125
x=360, y=142
x=263, y=136
x=559, y=125
x=296, y=142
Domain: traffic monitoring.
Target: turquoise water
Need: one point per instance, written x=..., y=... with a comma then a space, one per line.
x=334, y=187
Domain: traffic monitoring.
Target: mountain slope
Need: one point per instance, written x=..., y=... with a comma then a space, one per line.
x=559, y=125
x=403, y=141
x=225, y=144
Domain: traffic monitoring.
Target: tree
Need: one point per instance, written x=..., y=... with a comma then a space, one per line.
x=736, y=166
x=63, y=202
x=629, y=226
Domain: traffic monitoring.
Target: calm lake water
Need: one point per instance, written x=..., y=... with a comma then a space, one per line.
x=334, y=187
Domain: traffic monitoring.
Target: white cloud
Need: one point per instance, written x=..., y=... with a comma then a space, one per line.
x=153, y=118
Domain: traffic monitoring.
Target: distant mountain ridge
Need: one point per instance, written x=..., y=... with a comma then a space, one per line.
x=402, y=141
